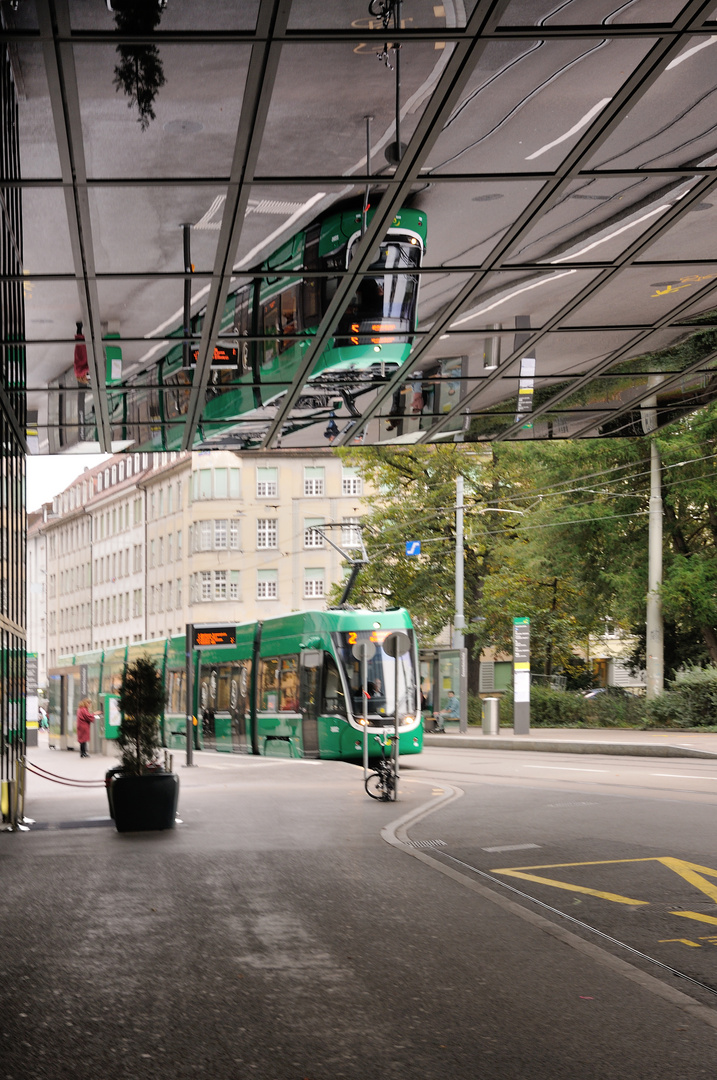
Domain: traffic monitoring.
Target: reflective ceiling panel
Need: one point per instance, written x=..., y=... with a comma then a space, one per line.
x=535, y=206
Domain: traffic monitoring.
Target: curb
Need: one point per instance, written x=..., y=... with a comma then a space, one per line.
x=558, y=746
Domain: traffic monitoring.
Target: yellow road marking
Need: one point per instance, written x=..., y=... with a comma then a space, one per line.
x=691, y=872
x=681, y=940
x=615, y=897
x=697, y=915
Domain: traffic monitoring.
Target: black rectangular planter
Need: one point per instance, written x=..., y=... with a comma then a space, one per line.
x=140, y=803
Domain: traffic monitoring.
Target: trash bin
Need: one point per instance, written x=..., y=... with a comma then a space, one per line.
x=490, y=715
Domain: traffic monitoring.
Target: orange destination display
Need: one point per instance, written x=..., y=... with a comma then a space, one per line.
x=211, y=637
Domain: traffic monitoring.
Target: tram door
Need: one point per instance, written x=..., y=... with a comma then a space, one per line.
x=207, y=706
x=310, y=696
x=239, y=704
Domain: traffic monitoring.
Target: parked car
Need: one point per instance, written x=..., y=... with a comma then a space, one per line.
x=612, y=691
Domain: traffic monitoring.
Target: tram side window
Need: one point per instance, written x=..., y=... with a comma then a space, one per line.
x=280, y=684
x=175, y=692
x=334, y=702
x=289, y=684
x=269, y=684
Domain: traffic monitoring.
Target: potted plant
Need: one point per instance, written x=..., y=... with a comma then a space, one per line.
x=141, y=794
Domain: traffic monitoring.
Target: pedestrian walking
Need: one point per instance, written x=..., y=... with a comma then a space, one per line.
x=84, y=719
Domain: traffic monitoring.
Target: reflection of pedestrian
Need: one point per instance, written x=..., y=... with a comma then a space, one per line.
x=84, y=719
x=82, y=371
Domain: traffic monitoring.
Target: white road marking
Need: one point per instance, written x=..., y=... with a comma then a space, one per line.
x=683, y=776
x=690, y=52
x=512, y=847
x=575, y=128
x=562, y=768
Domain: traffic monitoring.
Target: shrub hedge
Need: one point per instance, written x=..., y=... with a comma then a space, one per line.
x=689, y=701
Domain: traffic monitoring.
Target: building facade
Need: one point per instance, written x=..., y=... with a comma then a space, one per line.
x=143, y=544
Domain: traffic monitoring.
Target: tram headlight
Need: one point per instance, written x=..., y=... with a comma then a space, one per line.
x=408, y=720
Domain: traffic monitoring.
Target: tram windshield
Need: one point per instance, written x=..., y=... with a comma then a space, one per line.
x=384, y=303
x=381, y=677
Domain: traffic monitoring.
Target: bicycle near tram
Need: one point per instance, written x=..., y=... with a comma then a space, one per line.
x=381, y=783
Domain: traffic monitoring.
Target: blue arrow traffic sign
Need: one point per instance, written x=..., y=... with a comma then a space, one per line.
x=413, y=547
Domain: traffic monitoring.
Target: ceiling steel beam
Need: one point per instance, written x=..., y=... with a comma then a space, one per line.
x=639, y=81
x=263, y=65
x=647, y=238
x=54, y=21
x=439, y=107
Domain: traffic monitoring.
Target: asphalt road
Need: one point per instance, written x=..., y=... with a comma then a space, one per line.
x=290, y=927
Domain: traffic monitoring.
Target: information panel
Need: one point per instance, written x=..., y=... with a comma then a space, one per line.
x=213, y=637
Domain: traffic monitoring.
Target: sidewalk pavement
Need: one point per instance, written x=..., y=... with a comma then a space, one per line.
x=586, y=741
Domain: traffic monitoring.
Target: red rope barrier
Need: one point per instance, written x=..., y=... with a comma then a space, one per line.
x=38, y=768
x=65, y=781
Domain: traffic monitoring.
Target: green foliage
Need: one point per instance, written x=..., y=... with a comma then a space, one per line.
x=563, y=708
x=141, y=700
x=689, y=702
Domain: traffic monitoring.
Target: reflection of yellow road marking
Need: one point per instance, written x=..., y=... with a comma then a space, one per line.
x=691, y=872
x=685, y=284
x=696, y=915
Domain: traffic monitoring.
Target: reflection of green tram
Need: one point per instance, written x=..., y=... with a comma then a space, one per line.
x=266, y=327
x=290, y=685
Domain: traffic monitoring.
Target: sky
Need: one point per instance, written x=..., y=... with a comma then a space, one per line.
x=48, y=475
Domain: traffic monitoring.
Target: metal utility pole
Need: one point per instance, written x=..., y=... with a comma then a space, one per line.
x=655, y=628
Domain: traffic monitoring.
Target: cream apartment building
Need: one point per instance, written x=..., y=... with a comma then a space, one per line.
x=145, y=543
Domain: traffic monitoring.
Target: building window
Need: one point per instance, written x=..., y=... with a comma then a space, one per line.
x=350, y=532
x=160, y=549
x=179, y=545
x=151, y=554
x=220, y=584
x=129, y=467
x=121, y=471
x=267, y=584
x=313, y=481
x=203, y=536
x=206, y=583
x=205, y=483
x=313, y=583
x=234, y=489
x=179, y=592
x=351, y=482
x=234, y=535
x=170, y=509
x=234, y=585
x=220, y=534
x=221, y=489
x=152, y=506
x=138, y=511
x=313, y=538
x=161, y=502
x=266, y=533
x=267, y=482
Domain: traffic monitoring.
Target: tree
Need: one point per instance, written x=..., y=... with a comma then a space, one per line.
x=141, y=701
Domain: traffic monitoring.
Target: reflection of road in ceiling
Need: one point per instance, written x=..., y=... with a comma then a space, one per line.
x=563, y=156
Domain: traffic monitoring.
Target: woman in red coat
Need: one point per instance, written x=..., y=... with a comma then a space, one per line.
x=84, y=719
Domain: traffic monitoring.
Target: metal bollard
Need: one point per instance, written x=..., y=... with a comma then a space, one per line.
x=490, y=716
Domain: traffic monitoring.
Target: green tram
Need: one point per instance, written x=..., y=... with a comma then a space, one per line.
x=290, y=686
x=281, y=302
